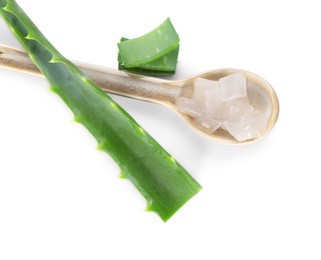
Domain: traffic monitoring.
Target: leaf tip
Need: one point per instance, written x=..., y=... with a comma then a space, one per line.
x=53, y=90
x=149, y=206
x=29, y=37
x=75, y=120
x=100, y=148
x=124, y=175
x=55, y=59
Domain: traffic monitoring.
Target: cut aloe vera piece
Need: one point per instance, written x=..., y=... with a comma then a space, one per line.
x=149, y=47
x=165, y=65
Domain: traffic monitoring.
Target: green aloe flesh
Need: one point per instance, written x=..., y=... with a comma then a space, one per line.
x=149, y=47
x=162, y=181
x=164, y=65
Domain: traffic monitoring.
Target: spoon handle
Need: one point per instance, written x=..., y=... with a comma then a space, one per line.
x=110, y=80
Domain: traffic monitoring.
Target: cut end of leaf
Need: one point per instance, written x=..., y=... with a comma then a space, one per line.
x=165, y=212
x=154, y=53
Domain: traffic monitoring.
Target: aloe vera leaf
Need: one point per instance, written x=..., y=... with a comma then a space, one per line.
x=149, y=47
x=164, y=183
x=162, y=66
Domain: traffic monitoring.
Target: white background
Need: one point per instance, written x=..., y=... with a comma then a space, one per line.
x=60, y=198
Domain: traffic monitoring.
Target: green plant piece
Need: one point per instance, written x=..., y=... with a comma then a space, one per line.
x=162, y=181
x=164, y=65
x=149, y=47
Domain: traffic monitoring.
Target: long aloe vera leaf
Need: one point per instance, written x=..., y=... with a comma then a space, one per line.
x=164, y=183
x=164, y=65
x=149, y=47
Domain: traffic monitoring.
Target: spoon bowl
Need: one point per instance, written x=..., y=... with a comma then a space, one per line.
x=260, y=93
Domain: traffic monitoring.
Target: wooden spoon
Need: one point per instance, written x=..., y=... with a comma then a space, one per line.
x=261, y=95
